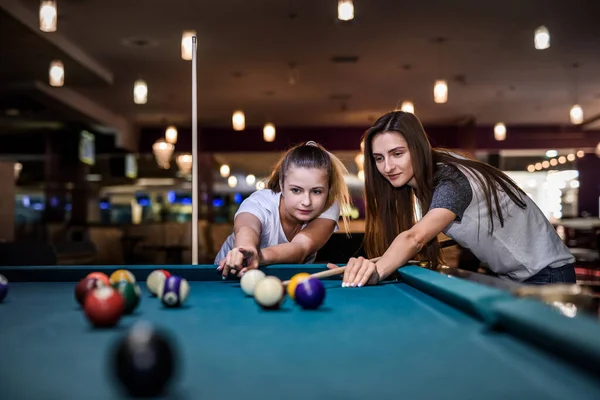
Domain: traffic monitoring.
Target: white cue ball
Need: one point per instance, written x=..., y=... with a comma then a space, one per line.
x=269, y=292
x=155, y=280
x=250, y=279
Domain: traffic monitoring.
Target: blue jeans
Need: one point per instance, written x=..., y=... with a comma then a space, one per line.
x=564, y=274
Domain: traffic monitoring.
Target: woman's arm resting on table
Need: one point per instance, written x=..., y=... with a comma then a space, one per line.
x=410, y=242
x=306, y=242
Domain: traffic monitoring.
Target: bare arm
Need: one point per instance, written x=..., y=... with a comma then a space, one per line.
x=410, y=242
x=247, y=228
x=306, y=242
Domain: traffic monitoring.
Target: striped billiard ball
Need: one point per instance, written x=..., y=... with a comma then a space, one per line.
x=156, y=279
x=121, y=275
x=3, y=287
x=174, y=291
x=131, y=294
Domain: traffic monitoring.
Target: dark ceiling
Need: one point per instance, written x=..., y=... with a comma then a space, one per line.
x=346, y=73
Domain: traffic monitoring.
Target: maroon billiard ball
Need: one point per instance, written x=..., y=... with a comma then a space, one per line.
x=85, y=286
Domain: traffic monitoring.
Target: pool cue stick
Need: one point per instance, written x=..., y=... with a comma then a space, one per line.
x=340, y=270
x=194, y=156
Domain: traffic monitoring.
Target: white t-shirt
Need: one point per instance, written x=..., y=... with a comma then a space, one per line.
x=264, y=205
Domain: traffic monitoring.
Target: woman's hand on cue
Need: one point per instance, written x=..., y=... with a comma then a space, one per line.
x=359, y=272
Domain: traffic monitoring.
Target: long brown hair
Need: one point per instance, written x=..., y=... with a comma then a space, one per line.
x=313, y=155
x=391, y=211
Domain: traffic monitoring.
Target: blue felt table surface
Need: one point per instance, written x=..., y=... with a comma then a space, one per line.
x=392, y=341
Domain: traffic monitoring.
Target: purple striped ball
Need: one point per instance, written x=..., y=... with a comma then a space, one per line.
x=174, y=291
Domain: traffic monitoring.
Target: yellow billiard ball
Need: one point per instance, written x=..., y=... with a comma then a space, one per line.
x=291, y=289
x=121, y=275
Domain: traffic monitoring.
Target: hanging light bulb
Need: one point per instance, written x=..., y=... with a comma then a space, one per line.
x=238, y=120
x=440, y=92
x=269, y=132
x=576, y=114
x=580, y=153
x=345, y=10
x=359, y=160
x=260, y=185
x=186, y=44
x=598, y=149
x=162, y=152
x=250, y=179
x=541, y=39
x=531, y=168
x=18, y=167
x=56, y=73
x=184, y=162
x=171, y=134
x=408, y=106
x=361, y=175
x=224, y=170
x=499, y=131
x=48, y=16
x=232, y=181
x=140, y=92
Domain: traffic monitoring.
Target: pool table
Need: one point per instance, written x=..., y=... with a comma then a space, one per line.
x=425, y=335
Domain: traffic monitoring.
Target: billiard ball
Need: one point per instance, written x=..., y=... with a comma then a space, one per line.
x=250, y=279
x=131, y=294
x=101, y=276
x=144, y=361
x=156, y=279
x=121, y=275
x=84, y=287
x=291, y=288
x=104, y=307
x=3, y=287
x=174, y=291
x=310, y=293
x=269, y=293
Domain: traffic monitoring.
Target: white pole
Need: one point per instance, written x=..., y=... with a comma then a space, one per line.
x=194, y=157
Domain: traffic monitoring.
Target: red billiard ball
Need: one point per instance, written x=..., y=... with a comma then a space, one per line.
x=101, y=276
x=84, y=287
x=104, y=307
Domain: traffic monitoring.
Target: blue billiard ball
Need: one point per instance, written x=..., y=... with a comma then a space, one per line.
x=310, y=293
x=3, y=287
x=173, y=291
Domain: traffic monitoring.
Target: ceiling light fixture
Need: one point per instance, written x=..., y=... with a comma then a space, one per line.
x=345, y=10
x=56, y=73
x=48, y=16
x=541, y=40
x=186, y=44
x=238, y=120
